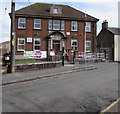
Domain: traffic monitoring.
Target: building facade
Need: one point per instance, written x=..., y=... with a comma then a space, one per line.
x=108, y=41
x=50, y=27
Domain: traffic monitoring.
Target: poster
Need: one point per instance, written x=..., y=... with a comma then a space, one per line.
x=35, y=54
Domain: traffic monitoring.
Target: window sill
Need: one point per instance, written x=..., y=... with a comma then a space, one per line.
x=20, y=50
x=21, y=28
x=55, y=30
x=88, y=32
x=37, y=29
x=74, y=31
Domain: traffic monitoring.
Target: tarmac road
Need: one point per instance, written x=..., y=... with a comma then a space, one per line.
x=87, y=91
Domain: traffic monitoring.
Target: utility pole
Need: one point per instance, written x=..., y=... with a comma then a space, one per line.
x=11, y=67
x=85, y=39
x=85, y=34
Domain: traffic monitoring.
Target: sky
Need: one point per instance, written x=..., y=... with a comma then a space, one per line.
x=102, y=9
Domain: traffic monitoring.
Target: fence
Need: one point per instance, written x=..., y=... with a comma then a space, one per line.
x=80, y=57
x=83, y=58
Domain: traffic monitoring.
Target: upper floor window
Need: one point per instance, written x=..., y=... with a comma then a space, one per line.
x=88, y=46
x=37, y=43
x=55, y=10
x=88, y=27
x=74, y=26
x=50, y=25
x=74, y=44
x=21, y=44
x=62, y=25
x=56, y=24
x=37, y=23
x=22, y=23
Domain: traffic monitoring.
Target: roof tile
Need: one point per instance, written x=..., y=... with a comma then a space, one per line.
x=43, y=10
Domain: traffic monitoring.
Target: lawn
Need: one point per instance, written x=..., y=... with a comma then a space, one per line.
x=26, y=61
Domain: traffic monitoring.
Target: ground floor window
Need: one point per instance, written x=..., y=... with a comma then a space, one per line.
x=88, y=46
x=21, y=44
x=37, y=43
x=74, y=44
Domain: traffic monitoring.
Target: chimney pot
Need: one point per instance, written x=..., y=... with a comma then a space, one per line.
x=105, y=24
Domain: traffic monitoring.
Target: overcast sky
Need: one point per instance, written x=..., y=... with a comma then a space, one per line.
x=103, y=10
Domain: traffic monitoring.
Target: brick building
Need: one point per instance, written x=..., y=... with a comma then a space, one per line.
x=47, y=27
x=4, y=47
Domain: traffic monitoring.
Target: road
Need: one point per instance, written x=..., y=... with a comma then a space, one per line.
x=86, y=91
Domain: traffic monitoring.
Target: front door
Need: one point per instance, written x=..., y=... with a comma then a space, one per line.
x=56, y=45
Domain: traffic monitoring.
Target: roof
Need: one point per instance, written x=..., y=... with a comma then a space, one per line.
x=115, y=31
x=4, y=44
x=43, y=10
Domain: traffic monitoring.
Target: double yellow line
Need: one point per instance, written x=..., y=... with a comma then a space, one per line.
x=109, y=107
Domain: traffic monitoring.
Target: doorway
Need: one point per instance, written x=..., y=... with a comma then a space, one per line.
x=56, y=45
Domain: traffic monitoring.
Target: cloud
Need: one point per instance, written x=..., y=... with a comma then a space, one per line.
x=65, y=0
x=5, y=36
x=5, y=22
x=49, y=1
x=103, y=10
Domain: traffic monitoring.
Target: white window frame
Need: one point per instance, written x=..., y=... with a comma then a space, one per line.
x=88, y=27
x=56, y=26
x=21, y=44
x=35, y=23
x=55, y=10
x=74, y=26
x=24, y=22
x=37, y=44
x=74, y=46
x=62, y=25
x=50, y=24
x=88, y=47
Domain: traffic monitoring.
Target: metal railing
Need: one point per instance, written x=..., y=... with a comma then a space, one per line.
x=83, y=58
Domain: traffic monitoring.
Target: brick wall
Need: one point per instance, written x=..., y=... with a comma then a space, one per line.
x=38, y=66
x=30, y=32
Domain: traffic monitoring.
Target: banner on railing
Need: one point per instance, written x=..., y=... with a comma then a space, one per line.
x=35, y=54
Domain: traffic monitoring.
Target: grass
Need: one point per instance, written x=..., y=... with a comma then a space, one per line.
x=25, y=61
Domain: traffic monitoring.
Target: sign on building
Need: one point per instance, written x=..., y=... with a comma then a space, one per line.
x=35, y=54
x=52, y=53
x=29, y=40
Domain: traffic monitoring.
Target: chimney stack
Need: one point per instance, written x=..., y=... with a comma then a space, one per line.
x=105, y=24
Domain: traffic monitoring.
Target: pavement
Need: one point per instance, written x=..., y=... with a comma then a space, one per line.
x=44, y=73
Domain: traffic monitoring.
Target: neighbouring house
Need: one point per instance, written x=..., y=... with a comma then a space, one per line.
x=108, y=41
x=4, y=47
x=50, y=27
